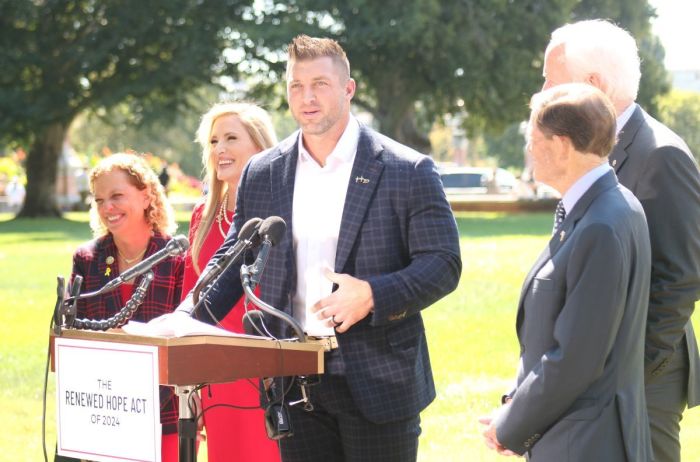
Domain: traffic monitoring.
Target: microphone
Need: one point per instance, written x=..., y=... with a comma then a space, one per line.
x=272, y=230
x=176, y=246
x=248, y=237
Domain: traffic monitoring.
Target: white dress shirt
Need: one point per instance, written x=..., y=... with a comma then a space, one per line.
x=623, y=118
x=319, y=200
x=578, y=189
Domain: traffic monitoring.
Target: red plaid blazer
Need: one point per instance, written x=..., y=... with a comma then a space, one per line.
x=163, y=295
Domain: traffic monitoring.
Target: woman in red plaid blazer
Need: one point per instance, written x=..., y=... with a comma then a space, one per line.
x=131, y=220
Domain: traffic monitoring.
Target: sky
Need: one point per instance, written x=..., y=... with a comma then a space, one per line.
x=678, y=27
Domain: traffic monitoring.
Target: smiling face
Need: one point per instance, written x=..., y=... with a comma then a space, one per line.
x=319, y=95
x=120, y=205
x=230, y=146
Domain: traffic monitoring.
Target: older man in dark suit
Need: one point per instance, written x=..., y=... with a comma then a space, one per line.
x=657, y=166
x=579, y=394
x=370, y=242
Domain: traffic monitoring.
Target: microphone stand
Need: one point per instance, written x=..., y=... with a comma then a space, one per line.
x=209, y=278
x=186, y=425
x=247, y=288
x=65, y=311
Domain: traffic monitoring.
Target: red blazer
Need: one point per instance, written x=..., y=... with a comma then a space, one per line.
x=163, y=295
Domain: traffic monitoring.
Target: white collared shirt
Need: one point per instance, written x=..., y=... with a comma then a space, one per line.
x=319, y=200
x=578, y=189
x=623, y=118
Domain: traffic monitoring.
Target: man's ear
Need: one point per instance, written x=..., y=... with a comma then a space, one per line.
x=350, y=87
x=594, y=79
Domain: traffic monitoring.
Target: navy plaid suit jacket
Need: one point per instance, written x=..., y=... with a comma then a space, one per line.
x=397, y=232
x=163, y=295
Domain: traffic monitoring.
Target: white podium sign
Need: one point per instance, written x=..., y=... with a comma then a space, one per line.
x=108, y=407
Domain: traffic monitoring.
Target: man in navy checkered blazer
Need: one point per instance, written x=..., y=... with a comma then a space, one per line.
x=370, y=242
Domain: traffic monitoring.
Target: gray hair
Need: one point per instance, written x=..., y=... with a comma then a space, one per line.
x=600, y=47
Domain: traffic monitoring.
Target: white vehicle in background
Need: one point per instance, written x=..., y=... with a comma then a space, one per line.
x=459, y=181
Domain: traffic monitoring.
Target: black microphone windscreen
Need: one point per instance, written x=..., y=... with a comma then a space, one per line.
x=178, y=245
x=273, y=229
x=249, y=228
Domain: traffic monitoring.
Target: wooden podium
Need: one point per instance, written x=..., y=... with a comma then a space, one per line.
x=184, y=362
x=213, y=359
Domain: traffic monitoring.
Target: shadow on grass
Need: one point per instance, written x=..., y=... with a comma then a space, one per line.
x=503, y=224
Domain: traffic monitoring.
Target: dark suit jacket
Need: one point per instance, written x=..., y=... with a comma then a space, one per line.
x=163, y=295
x=580, y=389
x=657, y=166
x=397, y=232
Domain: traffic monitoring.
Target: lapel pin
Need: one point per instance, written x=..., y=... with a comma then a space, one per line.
x=361, y=179
x=614, y=162
x=109, y=260
x=562, y=235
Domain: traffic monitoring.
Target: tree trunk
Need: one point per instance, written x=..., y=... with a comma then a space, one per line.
x=411, y=136
x=398, y=121
x=42, y=168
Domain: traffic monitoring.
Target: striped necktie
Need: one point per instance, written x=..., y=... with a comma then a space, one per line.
x=559, y=215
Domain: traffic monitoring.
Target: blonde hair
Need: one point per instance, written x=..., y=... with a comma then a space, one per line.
x=159, y=213
x=258, y=125
x=305, y=48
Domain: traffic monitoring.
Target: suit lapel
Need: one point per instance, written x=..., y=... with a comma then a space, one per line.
x=619, y=155
x=364, y=179
x=607, y=181
x=282, y=174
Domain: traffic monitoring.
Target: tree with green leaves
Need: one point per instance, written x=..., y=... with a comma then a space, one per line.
x=680, y=110
x=633, y=15
x=61, y=57
x=415, y=60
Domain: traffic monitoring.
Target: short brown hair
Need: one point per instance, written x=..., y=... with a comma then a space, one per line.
x=304, y=47
x=578, y=111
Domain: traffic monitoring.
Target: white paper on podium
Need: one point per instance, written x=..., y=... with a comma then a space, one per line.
x=107, y=401
x=177, y=324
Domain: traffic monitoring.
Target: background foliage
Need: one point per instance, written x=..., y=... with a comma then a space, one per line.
x=681, y=111
x=147, y=70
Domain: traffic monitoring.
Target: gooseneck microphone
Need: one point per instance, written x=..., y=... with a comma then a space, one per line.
x=271, y=232
x=178, y=245
x=248, y=237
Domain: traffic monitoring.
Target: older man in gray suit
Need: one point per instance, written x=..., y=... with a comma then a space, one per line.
x=657, y=166
x=580, y=393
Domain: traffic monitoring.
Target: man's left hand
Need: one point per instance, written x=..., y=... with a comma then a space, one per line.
x=351, y=303
x=490, y=437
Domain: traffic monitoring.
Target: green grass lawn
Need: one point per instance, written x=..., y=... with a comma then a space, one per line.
x=471, y=332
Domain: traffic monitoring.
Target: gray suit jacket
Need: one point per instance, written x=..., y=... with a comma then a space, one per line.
x=657, y=166
x=580, y=392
